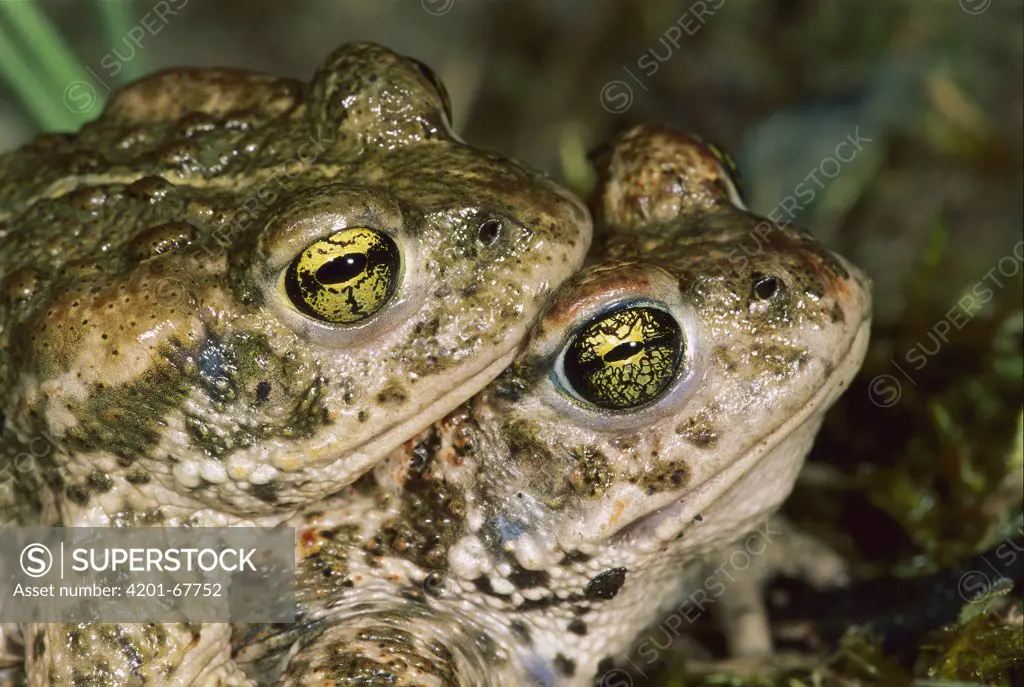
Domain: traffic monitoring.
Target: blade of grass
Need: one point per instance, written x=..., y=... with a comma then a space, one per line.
x=33, y=92
x=572, y=156
x=48, y=49
x=117, y=23
x=41, y=36
x=926, y=275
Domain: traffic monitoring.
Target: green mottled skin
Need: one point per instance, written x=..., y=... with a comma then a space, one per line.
x=139, y=259
x=540, y=535
x=152, y=363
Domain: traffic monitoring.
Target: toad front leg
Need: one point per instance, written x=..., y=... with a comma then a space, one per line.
x=131, y=654
x=776, y=548
x=395, y=646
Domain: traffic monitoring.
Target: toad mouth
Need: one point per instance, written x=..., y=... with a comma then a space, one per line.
x=668, y=522
x=360, y=457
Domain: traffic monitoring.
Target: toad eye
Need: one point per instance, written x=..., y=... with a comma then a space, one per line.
x=345, y=277
x=623, y=358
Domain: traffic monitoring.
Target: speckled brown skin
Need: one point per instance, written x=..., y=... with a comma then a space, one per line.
x=529, y=538
x=152, y=372
x=651, y=174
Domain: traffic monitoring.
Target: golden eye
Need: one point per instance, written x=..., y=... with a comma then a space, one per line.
x=624, y=358
x=345, y=277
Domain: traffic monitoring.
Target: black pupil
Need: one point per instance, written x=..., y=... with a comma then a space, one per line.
x=623, y=351
x=342, y=268
x=489, y=231
x=766, y=287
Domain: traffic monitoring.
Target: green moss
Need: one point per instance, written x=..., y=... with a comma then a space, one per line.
x=985, y=649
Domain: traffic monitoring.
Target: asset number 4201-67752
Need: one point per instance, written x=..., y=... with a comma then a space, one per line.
x=204, y=589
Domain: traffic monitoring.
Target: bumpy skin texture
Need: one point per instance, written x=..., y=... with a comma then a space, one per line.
x=143, y=328
x=153, y=370
x=531, y=536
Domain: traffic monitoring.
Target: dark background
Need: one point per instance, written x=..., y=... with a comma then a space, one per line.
x=917, y=466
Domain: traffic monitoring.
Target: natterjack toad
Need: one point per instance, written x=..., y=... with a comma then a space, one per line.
x=660, y=411
x=232, y=293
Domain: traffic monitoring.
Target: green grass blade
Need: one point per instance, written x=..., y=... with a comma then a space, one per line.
x=33, y=92
x=32, y=25
x=118, y=21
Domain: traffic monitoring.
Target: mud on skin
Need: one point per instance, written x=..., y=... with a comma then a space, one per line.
x=541, y=527
x=233, y=294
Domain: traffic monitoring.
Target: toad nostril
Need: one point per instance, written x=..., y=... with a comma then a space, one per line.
x=489, y=231
x=765, y=288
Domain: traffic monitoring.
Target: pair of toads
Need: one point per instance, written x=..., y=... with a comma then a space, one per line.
x=507, y=448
